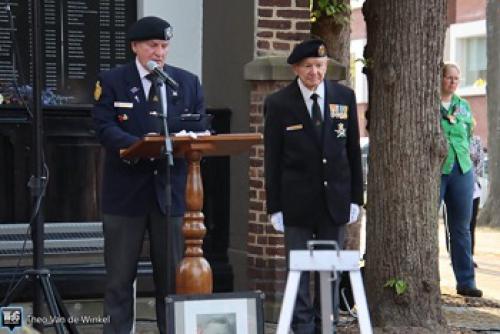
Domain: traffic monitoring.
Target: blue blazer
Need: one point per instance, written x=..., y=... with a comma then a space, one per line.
x=302, y=170
x=121, y=118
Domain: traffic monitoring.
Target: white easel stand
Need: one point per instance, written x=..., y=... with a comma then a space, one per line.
x=326, y=262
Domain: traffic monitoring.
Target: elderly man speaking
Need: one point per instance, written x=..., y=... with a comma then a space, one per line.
x=129, y=99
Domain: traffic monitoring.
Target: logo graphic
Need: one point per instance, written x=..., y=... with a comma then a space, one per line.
x=321, y=51
x=11, y=317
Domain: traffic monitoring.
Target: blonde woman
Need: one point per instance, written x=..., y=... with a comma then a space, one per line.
x=457, y=180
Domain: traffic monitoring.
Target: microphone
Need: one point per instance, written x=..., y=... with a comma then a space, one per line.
x=156, y=69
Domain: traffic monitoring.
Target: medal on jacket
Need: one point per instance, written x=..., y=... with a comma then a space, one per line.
x=451, y=117
x=341, y=131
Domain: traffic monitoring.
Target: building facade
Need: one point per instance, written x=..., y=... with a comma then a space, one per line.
x=465, y=45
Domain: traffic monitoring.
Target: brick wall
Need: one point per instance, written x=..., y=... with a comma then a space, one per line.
x=470, y=10
x=266, y=252
x=280, y=24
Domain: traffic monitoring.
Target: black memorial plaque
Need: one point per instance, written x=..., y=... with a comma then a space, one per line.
x=80, y=38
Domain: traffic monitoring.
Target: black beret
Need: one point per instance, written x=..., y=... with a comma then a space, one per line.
x=306, y=49
x=150, y=27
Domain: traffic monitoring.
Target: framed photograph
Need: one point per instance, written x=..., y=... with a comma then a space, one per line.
x=217, y=313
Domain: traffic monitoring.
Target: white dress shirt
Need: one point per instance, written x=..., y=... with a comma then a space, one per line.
x=306, y=94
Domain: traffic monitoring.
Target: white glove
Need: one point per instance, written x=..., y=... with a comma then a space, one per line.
x=277, y=221
x=353, y=217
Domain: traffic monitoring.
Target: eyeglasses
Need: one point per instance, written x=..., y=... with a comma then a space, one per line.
x=452, y=78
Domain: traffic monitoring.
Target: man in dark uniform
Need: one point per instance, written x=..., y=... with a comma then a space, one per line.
x=133, y=192
x=312, y=164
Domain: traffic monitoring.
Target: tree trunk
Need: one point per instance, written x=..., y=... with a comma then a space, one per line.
x=337, y=38
x=490, y=214
x=403, y=56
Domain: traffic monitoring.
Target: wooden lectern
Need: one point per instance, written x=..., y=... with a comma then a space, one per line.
x=194, y=275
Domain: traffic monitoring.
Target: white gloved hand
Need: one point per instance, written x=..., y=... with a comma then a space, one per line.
x=353, y=217
x=277, y=221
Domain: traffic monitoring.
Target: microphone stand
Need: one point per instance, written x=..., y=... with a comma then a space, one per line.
x=157, y=84
x=39, y=275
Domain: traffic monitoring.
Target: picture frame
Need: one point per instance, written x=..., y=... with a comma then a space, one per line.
x=228, y=313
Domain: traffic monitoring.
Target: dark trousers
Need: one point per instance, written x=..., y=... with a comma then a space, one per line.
x=456, y=191
x=306, y=317
x=123, y=239
x=475, y=210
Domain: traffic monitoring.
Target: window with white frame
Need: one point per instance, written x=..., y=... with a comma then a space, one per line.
x=471, y=57
x=358, y=78
x=468, y=50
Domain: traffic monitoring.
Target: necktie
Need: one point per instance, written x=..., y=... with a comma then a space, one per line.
x=156, y=122
x=316, y=115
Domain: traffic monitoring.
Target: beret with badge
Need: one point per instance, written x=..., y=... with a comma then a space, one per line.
x=150, y=27
x=306, y=49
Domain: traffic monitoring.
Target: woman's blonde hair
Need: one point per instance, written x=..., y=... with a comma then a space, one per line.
x=447, y=66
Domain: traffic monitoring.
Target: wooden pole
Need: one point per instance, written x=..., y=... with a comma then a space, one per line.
x=194, y=275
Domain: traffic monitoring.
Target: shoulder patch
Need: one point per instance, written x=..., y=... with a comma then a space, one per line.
x=97, y=91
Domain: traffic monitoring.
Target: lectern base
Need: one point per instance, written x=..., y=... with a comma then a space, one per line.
x=194, y=276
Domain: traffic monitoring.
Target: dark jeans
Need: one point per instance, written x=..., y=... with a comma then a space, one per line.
x=456, y=191
x=123, y=239
x=306, y=317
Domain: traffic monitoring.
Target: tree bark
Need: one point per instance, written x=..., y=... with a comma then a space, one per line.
x=403, y=57
x=490, y=214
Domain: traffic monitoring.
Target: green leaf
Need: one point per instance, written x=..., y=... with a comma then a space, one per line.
x=323, y=3
x=330, y=8
x=316, y=14
x=401, y=287
x=390, y=283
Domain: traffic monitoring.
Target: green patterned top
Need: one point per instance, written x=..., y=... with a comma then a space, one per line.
x=456, y=123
